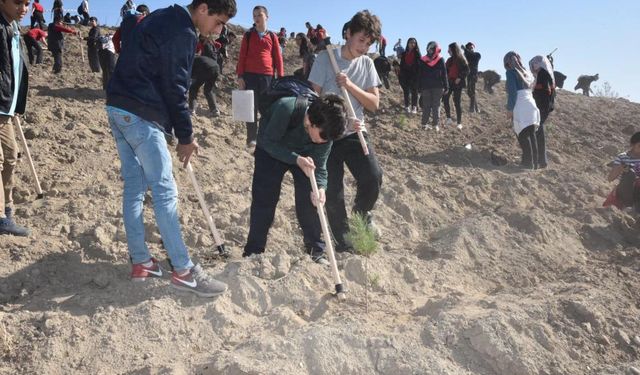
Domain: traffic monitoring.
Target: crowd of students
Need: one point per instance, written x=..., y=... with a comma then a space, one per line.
x=294, y=134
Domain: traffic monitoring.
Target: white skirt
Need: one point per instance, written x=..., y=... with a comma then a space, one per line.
x=525, y=112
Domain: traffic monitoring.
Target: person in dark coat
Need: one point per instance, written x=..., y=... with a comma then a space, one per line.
x=544, y=93
x=55, y=42
x=205, y=73
x=473, y=58
x=107, y=56
x=93, y=45
x=433, y=83
x=457, y=71
x=408, y=76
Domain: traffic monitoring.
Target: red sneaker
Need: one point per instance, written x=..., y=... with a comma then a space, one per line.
x=140, y=273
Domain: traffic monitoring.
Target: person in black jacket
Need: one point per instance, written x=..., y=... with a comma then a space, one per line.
x=408, y=76
x=544, y=93
x=473, y=58
x=457, y=71
x=107, y=55
x=205, y=73
x=146, y=101
x=55, y=42
x=433, y=83
x=13, y=100
x=93, y=45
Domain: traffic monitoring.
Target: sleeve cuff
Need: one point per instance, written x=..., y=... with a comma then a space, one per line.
x=186, y=141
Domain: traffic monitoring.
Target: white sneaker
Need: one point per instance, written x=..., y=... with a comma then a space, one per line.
x=414, y=110
x=407, y=109
x=437, y=128
x=459, y=127
x=251, y=147
x=428, y=127
x=449, y=122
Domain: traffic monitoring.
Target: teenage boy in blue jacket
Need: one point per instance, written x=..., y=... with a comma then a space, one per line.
x=13, y=100
x=146, y=100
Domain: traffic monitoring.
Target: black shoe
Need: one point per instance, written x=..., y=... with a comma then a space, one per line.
x=8, y=226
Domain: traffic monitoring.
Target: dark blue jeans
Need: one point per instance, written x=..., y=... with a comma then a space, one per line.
x=367, y=173
x=265, y=193
x=542, y=140
x=259, y=83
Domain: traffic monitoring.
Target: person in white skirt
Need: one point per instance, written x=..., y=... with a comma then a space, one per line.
x=522, y=108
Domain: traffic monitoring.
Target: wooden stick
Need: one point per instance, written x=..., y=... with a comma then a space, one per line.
x=26, y=151
x=345, y=95
x=203, y=204
x=340, y=292
x=81, y=48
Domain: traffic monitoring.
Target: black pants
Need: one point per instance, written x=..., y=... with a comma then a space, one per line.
x=108, y=65
x=431, y=99
x=529, y=145
x=457, y=97
x=258, y=83
x=410, y=91
x=367, y=173
x=541, y=140
x=471, y=92
x=94, y=60
x=85, y=19
x=57, y=61
x=209, y=93
x=37, y=18
x=31, y=45
x=265, y=193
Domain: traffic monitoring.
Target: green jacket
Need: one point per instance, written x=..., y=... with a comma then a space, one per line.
x=285, y=141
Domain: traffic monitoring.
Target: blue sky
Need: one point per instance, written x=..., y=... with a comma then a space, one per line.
x=592, y=36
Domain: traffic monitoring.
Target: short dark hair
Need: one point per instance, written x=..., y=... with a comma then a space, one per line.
x=226, y=7
x=142, y=9
x=261, y=8
x=328, y=113
x=93, y=19
x=368, y=23
x=635, y=138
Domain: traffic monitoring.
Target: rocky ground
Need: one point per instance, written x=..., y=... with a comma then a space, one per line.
x=481, y=269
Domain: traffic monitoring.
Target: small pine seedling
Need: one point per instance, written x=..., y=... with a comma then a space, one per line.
x=361, y=236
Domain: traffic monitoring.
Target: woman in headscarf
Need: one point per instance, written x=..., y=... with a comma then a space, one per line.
x=408, y=76
x=457, y=71
x=544, y=93
x=522, y=108
x=433, y=83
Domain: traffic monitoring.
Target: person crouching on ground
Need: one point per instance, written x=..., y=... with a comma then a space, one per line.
x=13, y=100
x=626, y=167
x=521, y=107
x=297, y=140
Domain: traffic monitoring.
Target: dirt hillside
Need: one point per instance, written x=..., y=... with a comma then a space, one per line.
x=481, y=270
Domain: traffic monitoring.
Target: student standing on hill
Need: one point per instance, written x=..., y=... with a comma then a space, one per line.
x=358, y=75
x=473, y=58
x=260, y=60
x=107, y=56
x=32, y=41
x=408, y=76
x=146, y=101
x=293, y=137
x=57, y=9
x=205, y=73
x=398, y=48
x=305, y=53
x=83, y=10
x=312, y=35
x=522, y=108
x=382, y=46
x=93, y=45
x=55, y=42
x=457, y=71
x=129, y=21
x=433, y=83
x=13, y=100
x=37, y=15
x=544, y=93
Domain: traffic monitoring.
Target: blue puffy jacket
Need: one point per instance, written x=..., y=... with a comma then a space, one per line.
x=151, y=78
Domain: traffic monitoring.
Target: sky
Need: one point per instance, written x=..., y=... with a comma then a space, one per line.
x=589, y=34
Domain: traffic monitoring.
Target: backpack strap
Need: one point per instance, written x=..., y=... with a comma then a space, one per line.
x=299, y=110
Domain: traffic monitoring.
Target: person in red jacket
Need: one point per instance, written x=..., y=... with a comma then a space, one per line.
x=260, y=60
x=37, y=15
x=55, y=42
x=457, y=72
x=31, y=41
